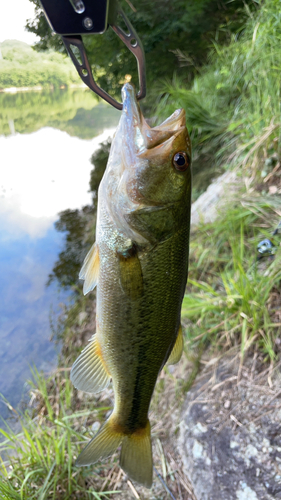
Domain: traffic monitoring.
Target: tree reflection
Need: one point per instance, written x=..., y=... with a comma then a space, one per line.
x=78, y=112
x=79, y=226
x=99, y=161
x=75, y=224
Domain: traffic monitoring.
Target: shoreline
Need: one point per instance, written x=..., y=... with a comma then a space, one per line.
x=39, y=88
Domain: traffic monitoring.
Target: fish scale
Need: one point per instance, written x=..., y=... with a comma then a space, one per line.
x=139, y=264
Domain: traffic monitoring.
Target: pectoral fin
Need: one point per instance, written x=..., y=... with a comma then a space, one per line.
x=131, y=278
x=90, y=269
x=176, y=353
x=89, y=373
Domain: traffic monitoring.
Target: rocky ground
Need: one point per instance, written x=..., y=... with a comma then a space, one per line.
x=205, y=208
x=230, y=430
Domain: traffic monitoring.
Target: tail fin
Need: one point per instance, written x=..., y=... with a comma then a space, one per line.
x=136, y=452
x=136, y=456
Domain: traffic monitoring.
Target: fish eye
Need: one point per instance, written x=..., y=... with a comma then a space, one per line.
x=181, y=161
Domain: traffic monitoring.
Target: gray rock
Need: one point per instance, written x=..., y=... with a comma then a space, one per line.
x=231, y=454
x=205, y=208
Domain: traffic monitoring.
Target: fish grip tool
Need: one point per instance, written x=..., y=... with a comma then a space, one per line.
x=73, y=18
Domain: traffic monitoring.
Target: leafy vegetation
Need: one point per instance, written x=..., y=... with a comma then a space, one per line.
x=164, y=27
x=233, y=104
x=21, y=66
x=99, y=162
x=73, y=223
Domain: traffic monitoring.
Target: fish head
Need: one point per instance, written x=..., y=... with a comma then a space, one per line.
x=148, y=178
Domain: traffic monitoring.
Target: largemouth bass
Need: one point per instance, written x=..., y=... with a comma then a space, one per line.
x=139, y=263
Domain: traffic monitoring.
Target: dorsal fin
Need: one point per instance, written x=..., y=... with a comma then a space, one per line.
x=90, y=269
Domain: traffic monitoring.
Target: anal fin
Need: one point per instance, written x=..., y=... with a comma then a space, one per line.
x=88, y=372
x=103, y=444
x=90, y=269
x=176, y=353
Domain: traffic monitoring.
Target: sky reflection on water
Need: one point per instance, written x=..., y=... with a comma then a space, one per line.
x=41, y=174
x=25, y=308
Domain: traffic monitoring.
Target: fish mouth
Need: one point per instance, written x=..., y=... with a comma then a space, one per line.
x=138, y=132
x=131, y=113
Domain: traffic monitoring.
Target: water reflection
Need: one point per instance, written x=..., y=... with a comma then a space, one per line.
x=76, y=111
x=42, y=174
x=25, y=309
x=42, y=171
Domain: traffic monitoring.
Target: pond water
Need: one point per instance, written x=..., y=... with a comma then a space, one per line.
x=46, y=141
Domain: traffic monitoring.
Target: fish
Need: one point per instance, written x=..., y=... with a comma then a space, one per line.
x=139, y=266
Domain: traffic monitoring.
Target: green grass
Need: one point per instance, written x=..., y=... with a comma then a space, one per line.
x=40, y=459
x=229, y=292
x=233, y=105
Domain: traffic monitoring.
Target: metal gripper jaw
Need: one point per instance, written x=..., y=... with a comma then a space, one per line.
x=73, y=18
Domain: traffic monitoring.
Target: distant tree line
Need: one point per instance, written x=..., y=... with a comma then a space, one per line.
x=21, y=66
